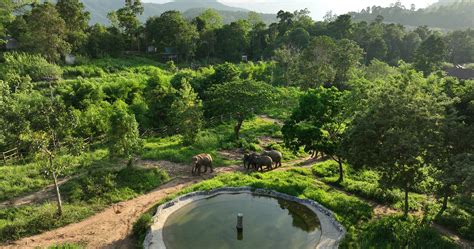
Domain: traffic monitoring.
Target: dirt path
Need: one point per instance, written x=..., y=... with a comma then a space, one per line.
x=45, y=194
x=112, y=227
x=461, y=242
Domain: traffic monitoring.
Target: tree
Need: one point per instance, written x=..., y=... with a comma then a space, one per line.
x=233, y=40
x=45, y=33
x=188, y=114
x=411, y=42
x=298, y=38
x=318, y=124
x=239, y=100
x=460, y=46
x=377, y=49
x=347, y=58
x=316, y=63
x=430, y=55
x=341, y=28
x=76, y=20
x=393, y=128
x=6, y=16
x=207, y=23
x=52, y=139
x=453, y=154
x=123, y=137
x=104, y=41
x=126, y=19
x=171, y=31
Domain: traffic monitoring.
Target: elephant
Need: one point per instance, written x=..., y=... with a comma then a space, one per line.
x=275, y=155
x=261, y=161
x=249, y=160
x=201, y=160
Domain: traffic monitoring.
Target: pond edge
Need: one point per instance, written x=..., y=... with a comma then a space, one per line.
x=332, y=242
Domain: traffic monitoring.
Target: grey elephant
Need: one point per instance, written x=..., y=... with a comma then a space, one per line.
x=261, y=161
x=201, y=160
x=249, y=160
x=275, y=155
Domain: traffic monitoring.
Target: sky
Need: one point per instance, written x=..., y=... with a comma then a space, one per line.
x=318, y=8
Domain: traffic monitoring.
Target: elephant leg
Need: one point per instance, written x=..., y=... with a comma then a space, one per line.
x=210, y=166
x=198, y=169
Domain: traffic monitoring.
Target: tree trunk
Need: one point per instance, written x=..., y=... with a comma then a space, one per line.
x=445, y=203
x=341, y=171
x=405, y=212
x=56, y=186
x=58, y=195
x=237, y=128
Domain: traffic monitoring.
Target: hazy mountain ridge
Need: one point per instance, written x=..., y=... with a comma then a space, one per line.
x=445, y=14
x=191, y=8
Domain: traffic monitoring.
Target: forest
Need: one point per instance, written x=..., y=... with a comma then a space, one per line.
x=446, y=15
x=367, y=120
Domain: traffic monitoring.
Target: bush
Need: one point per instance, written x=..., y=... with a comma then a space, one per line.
x=28, y=220
x=400, y=232
x=107, y=186
x=85, y=71
x=458, y=220
x=34, y=66
x=141, y=226
x=364, y=183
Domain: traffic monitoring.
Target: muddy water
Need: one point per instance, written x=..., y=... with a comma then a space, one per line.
x=268, y=223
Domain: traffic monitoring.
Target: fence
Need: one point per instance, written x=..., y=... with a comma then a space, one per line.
x=12, y=155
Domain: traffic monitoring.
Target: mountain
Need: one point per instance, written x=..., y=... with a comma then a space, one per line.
x=190, y=8
x=445, y=14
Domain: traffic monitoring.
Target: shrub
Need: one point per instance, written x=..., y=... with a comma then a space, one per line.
x=28, y=220
x=400, y=232
x=105, y=186
x=141, y=226
x=34, y=66
x=458, y=220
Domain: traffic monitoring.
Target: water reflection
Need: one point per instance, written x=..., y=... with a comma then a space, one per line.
x=303, y=217
x=269, y=223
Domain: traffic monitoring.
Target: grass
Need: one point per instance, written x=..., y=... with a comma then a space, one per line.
x=365, y=183
x=354, y=213
x=83, y=196
x=211, y=141
x=18, y=180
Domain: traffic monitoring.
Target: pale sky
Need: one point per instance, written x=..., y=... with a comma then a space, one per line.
x=317, y=7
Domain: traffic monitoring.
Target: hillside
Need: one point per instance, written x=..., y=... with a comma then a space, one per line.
x=99, y=9
x=446, y=14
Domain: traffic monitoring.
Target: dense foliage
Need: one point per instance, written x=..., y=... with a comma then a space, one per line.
x=371, y=96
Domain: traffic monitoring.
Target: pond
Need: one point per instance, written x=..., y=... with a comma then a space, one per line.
x=267, y=223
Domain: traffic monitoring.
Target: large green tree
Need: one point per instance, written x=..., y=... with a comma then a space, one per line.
x=171, y=31
x=430, y=55
x=318, y=124
x=394, y=127
x=45, y=33
x=187, y=113
x=316, y=64
x=123, y=137
x=76, y=20
x=453, y=153
x=126, y=18
x=233, y=40
x=207, y=23
x=239, y=100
